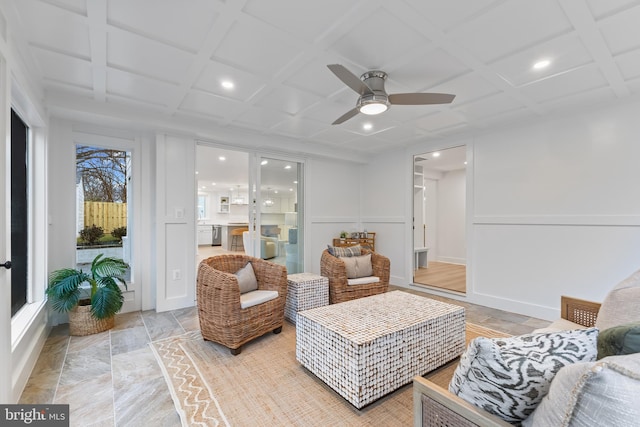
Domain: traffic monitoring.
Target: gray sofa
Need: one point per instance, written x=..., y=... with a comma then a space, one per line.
x=268, y=245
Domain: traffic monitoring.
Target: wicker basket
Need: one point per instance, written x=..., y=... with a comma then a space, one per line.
x=81, y=322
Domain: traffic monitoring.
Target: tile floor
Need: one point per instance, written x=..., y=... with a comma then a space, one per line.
x=112, y=378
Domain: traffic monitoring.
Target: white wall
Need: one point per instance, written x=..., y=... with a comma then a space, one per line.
x=332, y=204
x=553, y=208
x=176, y=222
x=387, y=201
x=557, y=209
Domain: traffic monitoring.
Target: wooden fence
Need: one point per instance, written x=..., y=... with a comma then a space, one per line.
x=106, y=215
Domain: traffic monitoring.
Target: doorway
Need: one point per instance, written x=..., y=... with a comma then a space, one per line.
x=439, y=228
x=103, y=223
x=259, y=194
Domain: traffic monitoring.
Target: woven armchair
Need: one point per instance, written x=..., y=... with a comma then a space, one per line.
x=222, y=320
x=339, y=291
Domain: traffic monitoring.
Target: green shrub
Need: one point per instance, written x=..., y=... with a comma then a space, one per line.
x=119, y=232
x=91, y=234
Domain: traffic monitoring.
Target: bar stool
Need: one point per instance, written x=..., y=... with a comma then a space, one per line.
x=236, y=238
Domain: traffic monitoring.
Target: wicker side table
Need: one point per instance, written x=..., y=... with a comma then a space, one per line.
x=305, y=291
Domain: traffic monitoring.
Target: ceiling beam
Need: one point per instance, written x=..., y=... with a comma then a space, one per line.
x=97, y=25
x=582, y=20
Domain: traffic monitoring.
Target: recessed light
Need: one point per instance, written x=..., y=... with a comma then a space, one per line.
x=213, y=183
x=222, y=158
x=288, y=167
x=264, y=162
x=196, y=172
x=367, y=126
x=544, y=63
x=436, y=154
x=227, y=84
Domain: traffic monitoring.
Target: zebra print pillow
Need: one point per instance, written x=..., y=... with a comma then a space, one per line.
x=509, y=376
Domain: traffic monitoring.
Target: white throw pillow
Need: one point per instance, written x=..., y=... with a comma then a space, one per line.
x=508, y=377
x=247, y=279
x=358, y=266
x=620, y=306
x=595, y=393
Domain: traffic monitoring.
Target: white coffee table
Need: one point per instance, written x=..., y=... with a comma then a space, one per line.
x=366, y=348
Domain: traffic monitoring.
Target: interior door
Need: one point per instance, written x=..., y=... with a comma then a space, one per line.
x=279, y=212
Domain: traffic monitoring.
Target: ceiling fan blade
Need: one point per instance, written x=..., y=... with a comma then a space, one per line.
x=420, y=98
x=346, y=116
x=349, y=79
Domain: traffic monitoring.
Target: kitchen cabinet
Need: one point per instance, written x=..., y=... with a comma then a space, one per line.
x=205, y=234
x=223, y=207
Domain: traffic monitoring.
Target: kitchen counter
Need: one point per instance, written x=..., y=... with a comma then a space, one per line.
x=226, y=232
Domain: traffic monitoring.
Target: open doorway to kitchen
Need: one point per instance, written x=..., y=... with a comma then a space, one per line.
x=439, y=229
x=254, y=202
x=223, y=198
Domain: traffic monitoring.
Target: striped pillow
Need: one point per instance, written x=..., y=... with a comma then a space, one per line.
x=345, y=252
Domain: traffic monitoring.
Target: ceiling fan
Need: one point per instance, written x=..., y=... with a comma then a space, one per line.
x=373, y=98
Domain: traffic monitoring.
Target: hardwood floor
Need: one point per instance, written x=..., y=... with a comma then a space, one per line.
x=443, y=275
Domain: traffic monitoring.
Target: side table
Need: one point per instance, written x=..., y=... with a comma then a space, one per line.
x=305, y=291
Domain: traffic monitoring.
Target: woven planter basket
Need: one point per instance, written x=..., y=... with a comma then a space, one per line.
x=81, y=322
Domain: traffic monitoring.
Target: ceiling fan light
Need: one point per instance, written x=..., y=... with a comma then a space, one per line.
x=373, y=108
x=373, y=103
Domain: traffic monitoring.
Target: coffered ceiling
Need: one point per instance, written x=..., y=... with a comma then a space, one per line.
x=161, y=63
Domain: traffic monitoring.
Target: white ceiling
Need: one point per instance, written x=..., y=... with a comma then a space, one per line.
x=161, y=62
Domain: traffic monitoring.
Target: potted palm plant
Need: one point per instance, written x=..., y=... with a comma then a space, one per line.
x=93, y=313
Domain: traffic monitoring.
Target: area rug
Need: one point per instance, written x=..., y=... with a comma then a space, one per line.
x=265, y=385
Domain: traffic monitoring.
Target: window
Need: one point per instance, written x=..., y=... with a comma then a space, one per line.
x=19, y=212
x=102, y=211
x=202, y=206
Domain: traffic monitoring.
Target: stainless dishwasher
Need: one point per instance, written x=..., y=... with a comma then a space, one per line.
x=216, y=235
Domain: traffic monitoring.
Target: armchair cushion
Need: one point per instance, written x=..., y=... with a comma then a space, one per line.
x=256, y=297
x=508, y=377
x=363, y=280
x=358, y=266
x=247, y=279
x=355, y=250
x=619, y=340
x=586, y=394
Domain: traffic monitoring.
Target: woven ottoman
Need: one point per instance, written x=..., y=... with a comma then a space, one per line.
x=305, y=291
x=368, y=347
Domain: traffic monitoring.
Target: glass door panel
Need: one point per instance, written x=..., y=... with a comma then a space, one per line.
x=279, y=211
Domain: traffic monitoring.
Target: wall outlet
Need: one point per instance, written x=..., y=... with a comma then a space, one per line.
x=176, y=274
x=179, y=212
